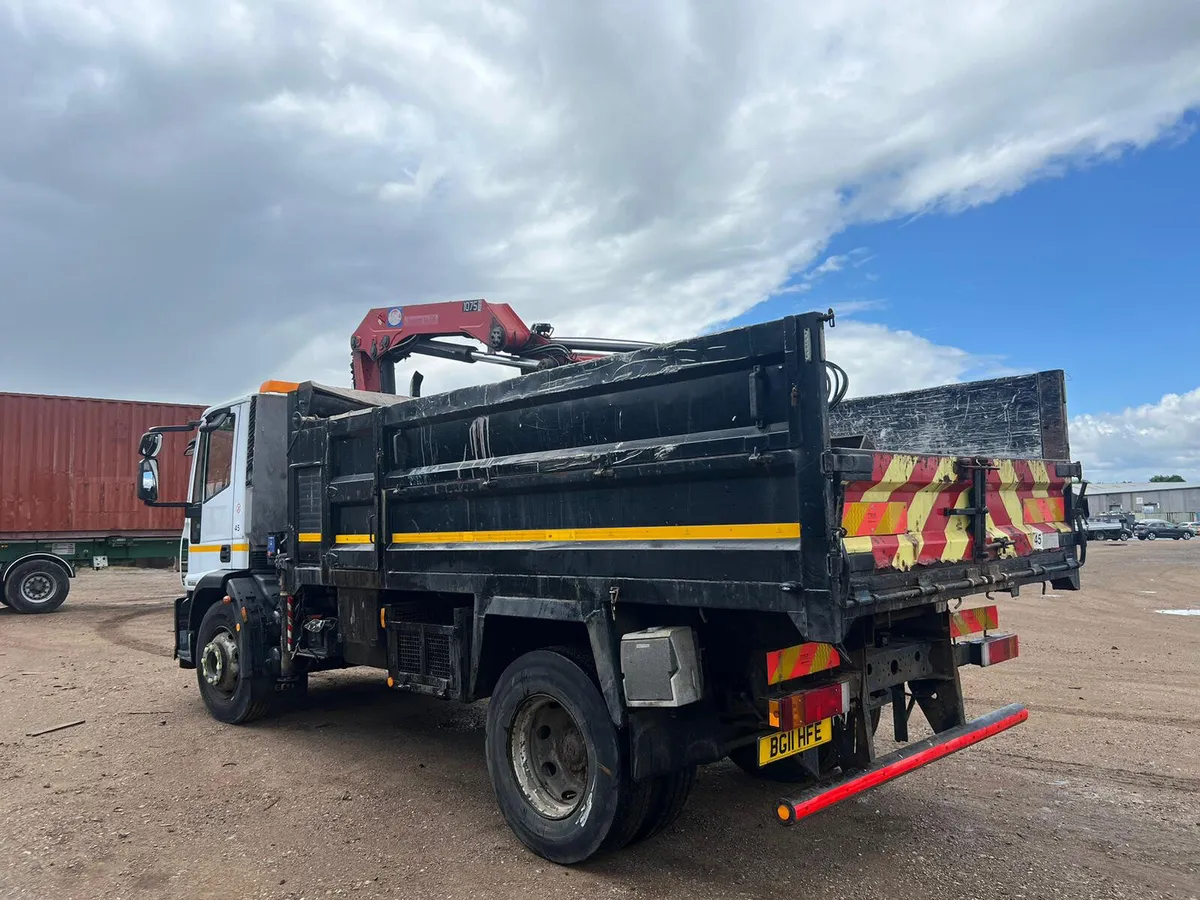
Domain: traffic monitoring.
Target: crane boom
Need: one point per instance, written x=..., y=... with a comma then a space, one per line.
x=390, y=334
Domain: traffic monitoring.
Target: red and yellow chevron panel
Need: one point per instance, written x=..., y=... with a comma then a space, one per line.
x=974, y=621
x=875, y=518
x=801, y=660
x=899, y=515
x=1043, y=509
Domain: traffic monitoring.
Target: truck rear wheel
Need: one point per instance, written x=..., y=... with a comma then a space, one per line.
x=227, y=686
x=36, y=586
x=668, y=795
x=557, y=761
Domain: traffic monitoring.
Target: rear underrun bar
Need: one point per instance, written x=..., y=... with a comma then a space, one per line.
x=901, y=762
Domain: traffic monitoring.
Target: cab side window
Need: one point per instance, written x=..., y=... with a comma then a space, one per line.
x=219, y=468
x=214, y=461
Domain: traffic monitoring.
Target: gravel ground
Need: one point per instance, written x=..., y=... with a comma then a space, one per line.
x=366, y=792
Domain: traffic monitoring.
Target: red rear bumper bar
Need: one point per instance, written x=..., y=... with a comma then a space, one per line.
x=901, y=763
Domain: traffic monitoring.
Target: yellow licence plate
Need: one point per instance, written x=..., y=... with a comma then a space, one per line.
x=783, y=744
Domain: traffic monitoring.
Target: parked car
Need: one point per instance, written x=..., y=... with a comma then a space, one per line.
x=1193, y=527
x=1153, y=529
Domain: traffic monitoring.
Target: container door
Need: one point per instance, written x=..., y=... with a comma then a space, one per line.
x=217, y=539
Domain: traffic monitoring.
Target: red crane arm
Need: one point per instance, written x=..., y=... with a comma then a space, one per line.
x=389, y=334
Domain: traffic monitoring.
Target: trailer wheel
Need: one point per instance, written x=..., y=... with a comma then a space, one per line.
x=230, y=692
x=36, y=586
x=557, y=761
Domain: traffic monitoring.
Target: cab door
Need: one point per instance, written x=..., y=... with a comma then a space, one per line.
x=216, y=539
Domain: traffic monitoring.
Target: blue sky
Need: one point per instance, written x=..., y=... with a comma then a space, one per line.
x=1095, y=271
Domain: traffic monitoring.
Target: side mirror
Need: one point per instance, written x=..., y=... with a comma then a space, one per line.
x=147, y=485
x=150, y=445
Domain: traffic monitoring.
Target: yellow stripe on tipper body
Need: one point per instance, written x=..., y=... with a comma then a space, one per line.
x=754, y=532
x=309, y=537
x=354, y=539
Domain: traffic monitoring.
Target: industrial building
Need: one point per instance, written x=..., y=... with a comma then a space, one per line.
x=1174, y=501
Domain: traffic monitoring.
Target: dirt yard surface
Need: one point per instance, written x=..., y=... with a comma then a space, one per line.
x=367, y=792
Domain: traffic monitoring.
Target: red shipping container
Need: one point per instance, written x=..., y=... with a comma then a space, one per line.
x=68, y=466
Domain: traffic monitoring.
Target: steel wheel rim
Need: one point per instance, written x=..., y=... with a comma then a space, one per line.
x=219, y=663
x=37, y=588
x=549, y=757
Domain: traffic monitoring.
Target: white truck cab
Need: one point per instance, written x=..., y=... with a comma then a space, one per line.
x=237, y=504
x=237, y=493
x=215, y=536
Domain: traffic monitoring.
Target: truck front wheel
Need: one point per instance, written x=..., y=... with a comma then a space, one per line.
x=557, y=762
x=227, y=685
x=37, y=586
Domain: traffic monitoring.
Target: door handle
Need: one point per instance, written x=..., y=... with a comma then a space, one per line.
x=225, y=553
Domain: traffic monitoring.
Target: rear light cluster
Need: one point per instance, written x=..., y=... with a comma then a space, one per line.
x=988, y=651
x=813, y=705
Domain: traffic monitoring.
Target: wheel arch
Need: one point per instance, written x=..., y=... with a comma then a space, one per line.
x=508, y=627
x=254, y=591
x=29, y=557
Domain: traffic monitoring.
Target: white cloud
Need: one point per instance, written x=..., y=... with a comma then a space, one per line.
x=881, y=360
x=1160, y=438
x=830, y=264
x=283, y=168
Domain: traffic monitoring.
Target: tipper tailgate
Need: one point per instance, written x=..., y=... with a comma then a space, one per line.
x=919, y=513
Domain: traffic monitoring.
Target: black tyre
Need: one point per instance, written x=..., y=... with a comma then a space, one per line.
x=1187, y=535
x=1124, y=535
x=557, y=763
x=1151, y=536
x=37, y=586
x=668, y=796
x=229, y=691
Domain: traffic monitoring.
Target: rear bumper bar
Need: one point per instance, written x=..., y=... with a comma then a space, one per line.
x=900, y=763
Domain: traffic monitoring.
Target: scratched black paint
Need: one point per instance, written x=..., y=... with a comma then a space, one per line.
x=729, y=429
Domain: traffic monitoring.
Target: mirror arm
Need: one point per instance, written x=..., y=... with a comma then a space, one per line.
x=164, y=429
x=215, y=420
